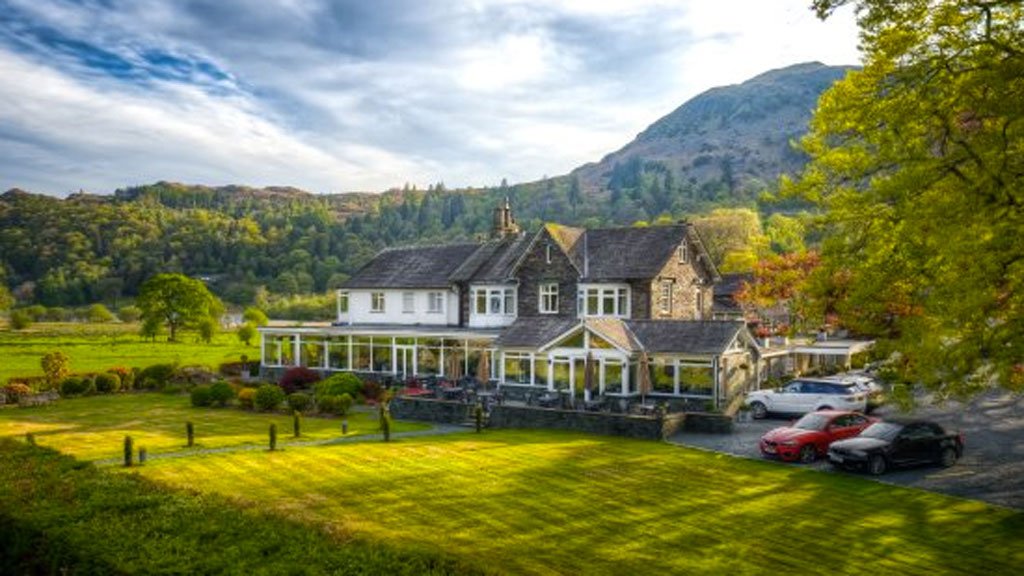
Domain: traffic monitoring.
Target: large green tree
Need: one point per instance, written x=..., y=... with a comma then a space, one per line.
x=918, y=162
x=178, y=302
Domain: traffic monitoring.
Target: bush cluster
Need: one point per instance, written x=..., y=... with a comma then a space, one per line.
x=201, y=396
x=155, y=377
x=298, y=378
x=221, y=393
x=107, y=382
x=338, y=384
x=77, y=386
x=246, y=398
x=268, y=397
x=299, y=401
x=14, y=391
x=337, y=405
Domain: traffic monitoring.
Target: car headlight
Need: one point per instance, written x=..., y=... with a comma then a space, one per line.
x=789, y=443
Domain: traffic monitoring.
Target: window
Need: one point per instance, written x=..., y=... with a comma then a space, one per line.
x=435, y=302
x=547, y=253
x=510, y=301
x=494, y=301
x=376, y=302
x=603, y=301
x=666, y=297
x=700, y=303
x=518, y=368
x=683, y=253
x=549, y=298
x=408, y=302
x=342, y=302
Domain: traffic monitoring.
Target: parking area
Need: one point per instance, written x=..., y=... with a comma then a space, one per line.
x=992, y=468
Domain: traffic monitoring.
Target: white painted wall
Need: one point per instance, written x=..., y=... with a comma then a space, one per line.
x=489, y=320
x=359, y=308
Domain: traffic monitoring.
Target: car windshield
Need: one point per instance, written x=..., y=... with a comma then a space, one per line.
x=882, y=430
x=811, y=421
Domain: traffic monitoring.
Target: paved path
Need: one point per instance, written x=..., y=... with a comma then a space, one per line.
x=992, y=468
x=435, y=430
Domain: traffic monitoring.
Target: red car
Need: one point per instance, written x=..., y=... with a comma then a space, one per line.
x=809, y=437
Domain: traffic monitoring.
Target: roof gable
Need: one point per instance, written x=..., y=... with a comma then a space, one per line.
x=707, y=337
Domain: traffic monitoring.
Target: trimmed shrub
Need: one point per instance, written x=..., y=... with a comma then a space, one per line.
x=338, y=384
x=107, y=383
x=268, y=397
x=338, y=405
x=201, y=396
x=155, y=377
x=58, y=314
x=77, y=386
x=190, y=434
x=299, y=401
x=221, y=393
x=297, y=378
x=246, y=397
x=129, y=451
x=273, y=436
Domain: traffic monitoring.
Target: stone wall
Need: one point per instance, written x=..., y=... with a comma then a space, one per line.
x=649, y=427
x=687, y=282
x=708, y=422
x=430, y=410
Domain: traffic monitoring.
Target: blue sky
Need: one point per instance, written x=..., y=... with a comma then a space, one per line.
x=365, y=95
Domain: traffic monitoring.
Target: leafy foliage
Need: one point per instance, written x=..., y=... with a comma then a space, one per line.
x=299, y=401
x=918, y=161
x=221, y=393
x=55, y=366
x=268, y=397
x=298, y=378
x=20, y=320
x=107, y=382
x=338, y=384
x=246, y=332
x=201, y=397
x=178, y=301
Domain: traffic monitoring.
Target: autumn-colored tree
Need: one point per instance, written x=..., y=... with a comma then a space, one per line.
x=783, y=281
x=917, y=161
x=55, y=366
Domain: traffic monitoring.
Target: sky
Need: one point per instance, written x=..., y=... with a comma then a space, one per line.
x=365, y=95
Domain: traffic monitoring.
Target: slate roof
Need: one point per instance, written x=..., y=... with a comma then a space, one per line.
x=412, y=267
x=610, y=254
x=701, y=337
x=493, y=262
x=726, y=290
x=534, y=332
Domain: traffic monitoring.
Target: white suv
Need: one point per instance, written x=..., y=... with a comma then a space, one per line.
x=804, y=395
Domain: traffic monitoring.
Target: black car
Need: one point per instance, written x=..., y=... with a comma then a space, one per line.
x=885, y=445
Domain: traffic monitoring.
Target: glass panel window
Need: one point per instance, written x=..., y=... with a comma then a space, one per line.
x=510, y=301
x=495, y=300
x=696, y=379
x=592, y=301
x=561, y=375
x=623, y=297
x=337, y=355
x=312, y=351
x=382, y=354
x=435, y=302
x=361, y=353
x=376, y=302
x=663, y=378
x=666, y=297
x=612, y=377
x=408, y=302
x=517, y=368
x=683, y=253
x=480, y=297
x=343, y=302
x=428, y=356
x=549, y=298
x=608, y=302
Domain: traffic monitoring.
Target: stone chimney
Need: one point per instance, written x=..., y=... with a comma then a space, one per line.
x=504, y=221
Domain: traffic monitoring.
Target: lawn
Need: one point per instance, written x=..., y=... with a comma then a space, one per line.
x=94, y=428
x=539, y=502
x=96, y=347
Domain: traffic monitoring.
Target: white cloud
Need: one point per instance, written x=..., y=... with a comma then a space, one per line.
x=336, y=96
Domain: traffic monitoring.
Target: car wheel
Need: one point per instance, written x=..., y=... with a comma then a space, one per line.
x=808, y=453
x=758, y=410
x=824, y=407
x=876, y=465
x=948, y=457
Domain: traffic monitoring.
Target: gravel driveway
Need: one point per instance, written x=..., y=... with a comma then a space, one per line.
x=992, y=468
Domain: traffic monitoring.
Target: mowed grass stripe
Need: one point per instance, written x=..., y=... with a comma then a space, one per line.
x=545, y=502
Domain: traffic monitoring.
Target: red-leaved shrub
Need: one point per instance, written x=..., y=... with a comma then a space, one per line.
x=297, y=378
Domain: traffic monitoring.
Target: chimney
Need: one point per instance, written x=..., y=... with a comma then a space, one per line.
x=504, y=221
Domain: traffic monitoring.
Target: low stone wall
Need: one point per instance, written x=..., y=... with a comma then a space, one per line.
x=430, y=410
x=707, y=422
x=648, y=427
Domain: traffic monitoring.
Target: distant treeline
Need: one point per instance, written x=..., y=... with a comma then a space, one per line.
x=88, y=248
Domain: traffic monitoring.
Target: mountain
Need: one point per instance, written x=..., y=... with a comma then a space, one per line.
x=725, y=142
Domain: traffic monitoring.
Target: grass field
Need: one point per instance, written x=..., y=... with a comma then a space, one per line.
x=95, y=347
x=94, y=428
x=542, y=502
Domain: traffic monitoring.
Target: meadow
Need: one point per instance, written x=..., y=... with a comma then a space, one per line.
x=94, y=428
x=545, y=502
x=98, y=347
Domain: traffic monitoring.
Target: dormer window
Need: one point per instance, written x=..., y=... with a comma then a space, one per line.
x=683, y=253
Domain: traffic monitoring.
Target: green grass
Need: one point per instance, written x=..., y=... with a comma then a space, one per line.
x=545, y=502
x=97, y=347
x=94, y=428
x=60, y=516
